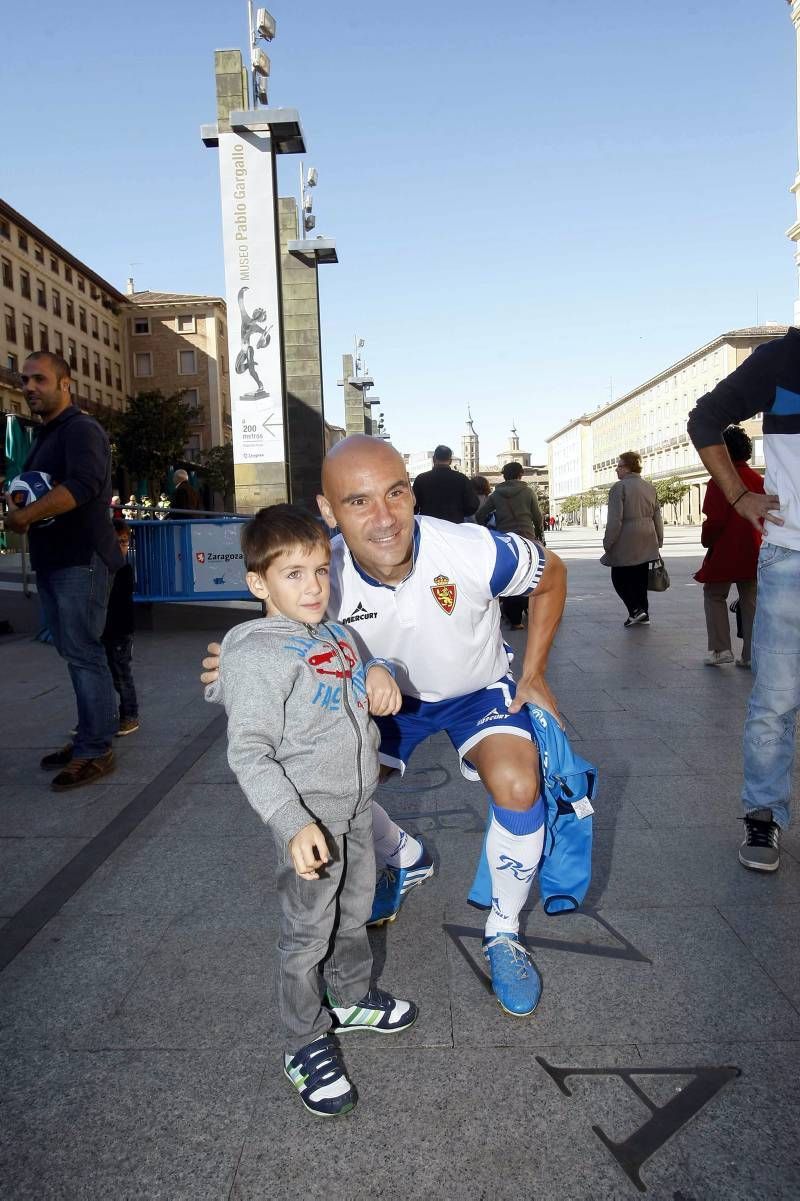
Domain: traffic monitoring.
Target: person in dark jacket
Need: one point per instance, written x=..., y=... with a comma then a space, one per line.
x=515, y=510
x=75, y=554
x=443, y=492
x=185, y=498
x=118, y=636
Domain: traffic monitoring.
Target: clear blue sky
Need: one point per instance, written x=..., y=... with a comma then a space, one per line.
x=534, y=202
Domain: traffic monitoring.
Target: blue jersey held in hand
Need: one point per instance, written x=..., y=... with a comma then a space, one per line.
x=569, y=785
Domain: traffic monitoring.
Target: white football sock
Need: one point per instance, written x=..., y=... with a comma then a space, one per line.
x=513, y=859
x=393, y=845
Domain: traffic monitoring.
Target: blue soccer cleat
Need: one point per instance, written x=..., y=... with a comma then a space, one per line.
x=394, y=883
x=515, y=981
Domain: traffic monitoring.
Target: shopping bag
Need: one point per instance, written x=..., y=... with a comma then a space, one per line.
x=657, y=576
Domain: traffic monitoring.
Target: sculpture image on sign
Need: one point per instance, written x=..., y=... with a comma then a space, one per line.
x=246, y=358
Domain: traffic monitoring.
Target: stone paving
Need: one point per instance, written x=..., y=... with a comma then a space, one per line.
x=140, y=1048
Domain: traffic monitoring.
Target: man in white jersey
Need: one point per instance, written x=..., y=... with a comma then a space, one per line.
x=422, y=594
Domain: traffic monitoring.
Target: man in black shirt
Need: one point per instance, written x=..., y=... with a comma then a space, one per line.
x=74, y=556
x=442, y=492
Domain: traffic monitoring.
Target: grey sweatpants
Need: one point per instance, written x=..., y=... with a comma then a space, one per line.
x=323, y=929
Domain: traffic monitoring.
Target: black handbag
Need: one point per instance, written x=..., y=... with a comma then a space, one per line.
x=657, y=576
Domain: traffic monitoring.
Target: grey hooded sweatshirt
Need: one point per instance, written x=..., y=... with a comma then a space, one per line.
x=300, y=739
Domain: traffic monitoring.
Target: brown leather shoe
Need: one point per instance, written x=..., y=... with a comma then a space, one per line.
x=83, y=771
x=58, y=758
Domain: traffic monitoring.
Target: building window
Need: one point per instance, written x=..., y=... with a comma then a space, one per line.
x=58, y=343
x=142, y=363
x=84, y=360
x=95, y=293
x=56, y=298
x=187, y=362
x=54, y=264
x=38, y=253
x=70, y=312
x=185, y=324
x=12, y=362
x=11, y=324
x=22, y=240
x=97, y=372
x=141, y=325
x=72, y=354
x=81, y=284
x=116, y=338
x=27, y=333
x=82, y=319
x=8, y=275
x=67, y=273
x=106, y=338
x=25, y=284
x=5, y=228
x=191, y=398
x=41, y=294
x=118, y=382
x=107, y=371
x=44, y=338
x=95, y=327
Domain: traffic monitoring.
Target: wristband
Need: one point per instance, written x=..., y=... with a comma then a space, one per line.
x=380, y=663
x=734, y=503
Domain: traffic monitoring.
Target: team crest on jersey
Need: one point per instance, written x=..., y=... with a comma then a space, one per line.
x=444, y=593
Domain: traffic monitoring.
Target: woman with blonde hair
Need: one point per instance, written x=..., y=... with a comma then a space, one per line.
x=634, y=534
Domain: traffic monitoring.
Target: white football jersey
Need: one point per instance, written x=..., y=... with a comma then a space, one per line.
x=440, y=628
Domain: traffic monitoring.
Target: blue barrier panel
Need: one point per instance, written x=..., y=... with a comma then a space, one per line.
x=191, y=560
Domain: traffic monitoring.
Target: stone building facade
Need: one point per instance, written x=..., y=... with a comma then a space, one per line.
x=651, y=419
x=53, y=301
x=178, y=343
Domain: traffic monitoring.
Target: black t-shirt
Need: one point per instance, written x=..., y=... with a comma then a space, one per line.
x=73, y=449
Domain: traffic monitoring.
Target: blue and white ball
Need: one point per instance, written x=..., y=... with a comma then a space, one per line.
x=24, y=489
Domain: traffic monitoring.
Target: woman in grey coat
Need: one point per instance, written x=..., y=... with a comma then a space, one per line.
x=634, y=534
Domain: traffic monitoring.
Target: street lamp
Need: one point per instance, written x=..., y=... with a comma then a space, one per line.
x=262, y=28
x=306, y=199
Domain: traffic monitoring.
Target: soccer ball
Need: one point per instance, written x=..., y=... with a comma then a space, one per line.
x=24, y=489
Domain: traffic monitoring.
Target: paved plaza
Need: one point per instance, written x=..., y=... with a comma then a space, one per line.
x=141, y=1055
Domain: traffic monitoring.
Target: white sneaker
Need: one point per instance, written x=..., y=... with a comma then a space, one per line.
x=718, y=658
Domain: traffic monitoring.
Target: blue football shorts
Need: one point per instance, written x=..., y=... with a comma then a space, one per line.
x=465, y=719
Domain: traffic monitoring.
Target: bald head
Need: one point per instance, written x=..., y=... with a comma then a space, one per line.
x=352, y=455
x=366, y=494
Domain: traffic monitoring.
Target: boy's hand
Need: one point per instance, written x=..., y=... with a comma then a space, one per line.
x=211, y=664
x=309, y=851
x=383, y=695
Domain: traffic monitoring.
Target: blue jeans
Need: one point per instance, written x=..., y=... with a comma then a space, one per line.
x=772, y=709
x=75, y=600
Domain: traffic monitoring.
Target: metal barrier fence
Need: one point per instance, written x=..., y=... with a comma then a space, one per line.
x=188, y=560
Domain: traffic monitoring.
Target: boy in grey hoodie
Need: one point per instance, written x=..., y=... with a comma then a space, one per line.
x=305, y=753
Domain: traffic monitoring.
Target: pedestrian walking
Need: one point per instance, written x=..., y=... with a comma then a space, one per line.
x=515, y=510
x=305, y=753
x=634, y=533
x=443, y=492
x=118, y=635
x=74, y=552
x=732, y=558
x=767, y=382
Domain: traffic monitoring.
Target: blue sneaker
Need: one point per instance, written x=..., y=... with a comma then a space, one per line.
x=393, y=885
x=515, y=981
